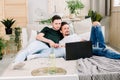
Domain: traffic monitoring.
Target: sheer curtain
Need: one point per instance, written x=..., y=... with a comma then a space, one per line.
x=101, y=6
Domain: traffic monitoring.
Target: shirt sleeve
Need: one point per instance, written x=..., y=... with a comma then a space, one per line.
x=44, y=30
x=69, y=39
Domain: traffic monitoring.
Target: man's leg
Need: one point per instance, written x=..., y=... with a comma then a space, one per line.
x=106, y=53
x=100, y=37
x=59, y=52
x=42, y=54
x=97, y=36
x=31, y=49
x=93, y=37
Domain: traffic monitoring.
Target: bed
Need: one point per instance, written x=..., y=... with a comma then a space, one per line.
x=98, y=68
x=25, y=73
x=94, y=68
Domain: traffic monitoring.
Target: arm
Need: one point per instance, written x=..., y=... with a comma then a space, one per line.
x=41, y=37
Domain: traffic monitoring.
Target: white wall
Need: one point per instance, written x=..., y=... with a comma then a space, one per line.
x=61, y=7
x=94, y=5
x=57, y=6
x=85, y=10
x=37, y=8
x=102, y=7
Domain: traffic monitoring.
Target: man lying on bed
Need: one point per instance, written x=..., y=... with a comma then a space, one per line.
x=48, y=37
x=96, y=36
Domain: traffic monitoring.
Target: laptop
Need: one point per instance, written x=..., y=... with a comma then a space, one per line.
x=77, y=50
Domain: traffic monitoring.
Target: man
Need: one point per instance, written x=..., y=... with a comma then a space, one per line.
x=96, y=35
x=48, y=37
x=101, y=50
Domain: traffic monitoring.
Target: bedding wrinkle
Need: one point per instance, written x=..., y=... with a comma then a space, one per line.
x=99, y=68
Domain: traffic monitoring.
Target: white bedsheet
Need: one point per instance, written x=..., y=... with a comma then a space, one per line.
x=25, y=72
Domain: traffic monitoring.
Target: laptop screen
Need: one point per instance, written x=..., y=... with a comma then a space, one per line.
x=77, y=50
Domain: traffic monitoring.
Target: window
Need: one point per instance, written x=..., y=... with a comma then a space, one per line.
x=116, y=3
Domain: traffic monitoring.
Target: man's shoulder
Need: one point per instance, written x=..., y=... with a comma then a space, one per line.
x=72, y=36
x=46, y=27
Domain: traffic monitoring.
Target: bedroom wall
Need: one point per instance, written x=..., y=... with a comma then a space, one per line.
x=37, y=9
x=41, y=9
x=32, y=10
x=114, y=38
x=16, y=9
x=98, y=5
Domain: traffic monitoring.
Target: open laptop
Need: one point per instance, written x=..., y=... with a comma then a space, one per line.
x=77, y=50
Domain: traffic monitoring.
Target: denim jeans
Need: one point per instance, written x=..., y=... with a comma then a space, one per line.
x=59, y=52
x=39, y=49
x=106, y=53
x=34, y=47
x=97, y=37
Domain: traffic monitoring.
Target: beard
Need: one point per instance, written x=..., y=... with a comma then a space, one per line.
x=67, y=34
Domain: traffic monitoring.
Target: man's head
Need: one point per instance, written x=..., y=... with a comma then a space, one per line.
x=56, y=22
x=64, y=29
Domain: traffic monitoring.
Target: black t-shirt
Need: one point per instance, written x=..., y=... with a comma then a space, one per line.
x=51, y=34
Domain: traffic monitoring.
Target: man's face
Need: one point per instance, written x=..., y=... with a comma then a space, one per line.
x=56, y=24
x=65, y=30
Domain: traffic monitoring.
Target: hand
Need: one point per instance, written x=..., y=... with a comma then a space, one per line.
x=95, y=23
x=56, y=45
x=52, y=44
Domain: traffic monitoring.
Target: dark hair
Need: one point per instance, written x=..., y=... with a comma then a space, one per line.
x=56, y=17
x=62, y=24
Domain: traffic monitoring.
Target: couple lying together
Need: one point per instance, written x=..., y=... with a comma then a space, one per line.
x=56, y=37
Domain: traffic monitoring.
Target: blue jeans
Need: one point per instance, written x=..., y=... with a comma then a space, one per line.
x=39, y=49
x=97, y=37
x=59, y=52
x=100, y=50
x=106, y=53
x=32, y=48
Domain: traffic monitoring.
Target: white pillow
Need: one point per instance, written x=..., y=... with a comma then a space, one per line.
x=24, y=37
x=36, y=27
x=32, y=36
x=33, y=29
x=85, y=36
x=83, y=26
